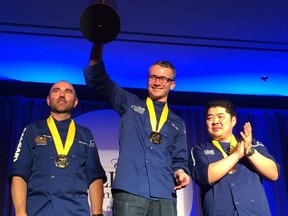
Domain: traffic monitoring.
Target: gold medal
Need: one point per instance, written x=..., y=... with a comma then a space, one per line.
x=62, y=161
x=155, y=138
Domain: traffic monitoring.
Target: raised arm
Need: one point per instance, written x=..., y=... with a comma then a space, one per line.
x=266, y=167
x=96, y=54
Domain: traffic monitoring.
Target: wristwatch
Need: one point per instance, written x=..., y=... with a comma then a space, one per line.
x=250, y=152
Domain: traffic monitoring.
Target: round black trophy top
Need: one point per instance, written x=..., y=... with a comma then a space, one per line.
x=100, y=23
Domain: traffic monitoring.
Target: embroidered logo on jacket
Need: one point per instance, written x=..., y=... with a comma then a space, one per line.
x=138, y=109
x=40, y=140
x=209, y=152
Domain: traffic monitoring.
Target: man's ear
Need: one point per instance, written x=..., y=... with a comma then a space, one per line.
x=48, y=100
x=172, y=86
x=234, y=120
x=76, y=102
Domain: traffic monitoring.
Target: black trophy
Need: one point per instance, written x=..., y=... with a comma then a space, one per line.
x=100, y=22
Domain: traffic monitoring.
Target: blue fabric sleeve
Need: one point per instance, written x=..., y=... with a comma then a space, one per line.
x=23, y=156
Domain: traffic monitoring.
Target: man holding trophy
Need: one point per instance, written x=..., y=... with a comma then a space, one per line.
x=153, y=154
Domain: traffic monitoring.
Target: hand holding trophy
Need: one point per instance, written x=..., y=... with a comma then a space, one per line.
x=100, y=22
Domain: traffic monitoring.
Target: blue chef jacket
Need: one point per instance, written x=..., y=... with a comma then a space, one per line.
x=237, y=194
x=54, y=191
x=143, y=168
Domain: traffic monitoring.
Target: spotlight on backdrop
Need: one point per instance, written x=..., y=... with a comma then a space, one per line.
x=100, y=23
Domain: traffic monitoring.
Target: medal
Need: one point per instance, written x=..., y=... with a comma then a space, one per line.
x=155, y=138
x=62, y=161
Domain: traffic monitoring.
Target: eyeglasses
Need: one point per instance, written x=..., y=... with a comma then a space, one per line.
x=162, y=79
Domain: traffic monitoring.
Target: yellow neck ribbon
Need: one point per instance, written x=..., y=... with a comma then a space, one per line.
x=233, y=144
x=153, y=118
x=62, y=150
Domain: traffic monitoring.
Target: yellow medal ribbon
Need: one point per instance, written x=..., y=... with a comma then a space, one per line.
x=233, y=144
x=153, y=118
x=62, y=150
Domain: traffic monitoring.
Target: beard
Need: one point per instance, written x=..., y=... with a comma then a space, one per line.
x=61, y=107
x=61, y=110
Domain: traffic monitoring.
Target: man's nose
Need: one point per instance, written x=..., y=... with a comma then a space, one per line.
x=62, y=94
x=215, y=121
